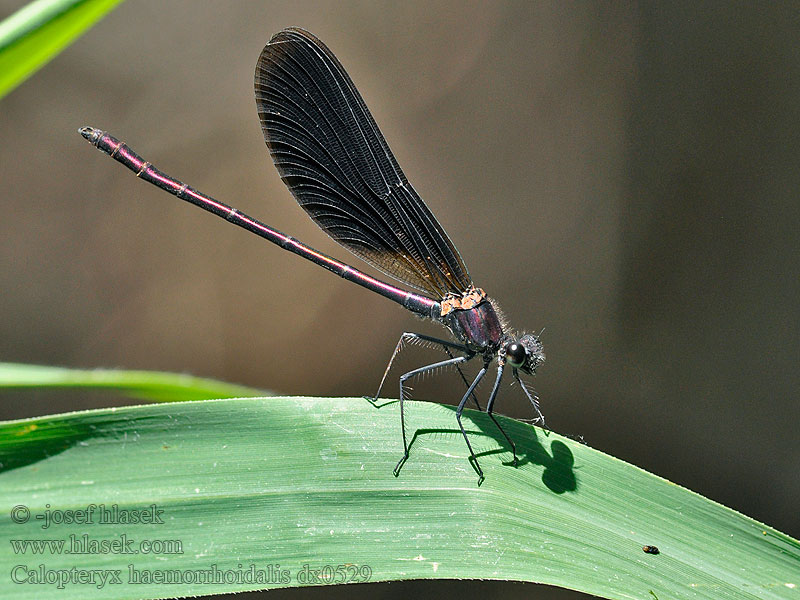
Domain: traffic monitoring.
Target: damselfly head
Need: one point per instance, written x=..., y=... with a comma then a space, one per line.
x=526, y=353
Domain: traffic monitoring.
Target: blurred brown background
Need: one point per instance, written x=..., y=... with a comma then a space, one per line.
x=624, y=175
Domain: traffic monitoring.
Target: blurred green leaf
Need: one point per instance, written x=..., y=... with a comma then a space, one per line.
x=296, y=485
x=40, y=30
x=154, y=386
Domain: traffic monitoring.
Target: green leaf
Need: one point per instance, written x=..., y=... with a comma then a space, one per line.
x=37, y=32
x=143, y=385
x=297, y=487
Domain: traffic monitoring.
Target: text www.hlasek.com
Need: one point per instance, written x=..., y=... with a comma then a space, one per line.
x=84, y=544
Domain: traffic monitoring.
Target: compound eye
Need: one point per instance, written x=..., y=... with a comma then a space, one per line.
x=516, y=354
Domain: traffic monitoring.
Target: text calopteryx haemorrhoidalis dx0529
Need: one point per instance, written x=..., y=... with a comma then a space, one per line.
x=334, y=159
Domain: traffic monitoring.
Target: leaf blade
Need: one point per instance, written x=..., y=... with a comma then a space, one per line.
x=296, y=481
x=37, y=32
x=154, y=386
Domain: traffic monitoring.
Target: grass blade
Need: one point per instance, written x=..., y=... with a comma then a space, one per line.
x=34, y=34
x=154, y=386
x=280, y=483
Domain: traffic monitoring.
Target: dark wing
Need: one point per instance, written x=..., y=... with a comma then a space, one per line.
x=337, y=165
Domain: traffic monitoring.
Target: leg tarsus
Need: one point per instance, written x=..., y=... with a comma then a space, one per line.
x=474, y=462
x=400, y=464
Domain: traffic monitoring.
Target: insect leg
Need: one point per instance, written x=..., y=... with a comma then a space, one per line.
x=473, y=459
x=447, y=345
x=532, y=397
x=444, y=363
x=490, y=407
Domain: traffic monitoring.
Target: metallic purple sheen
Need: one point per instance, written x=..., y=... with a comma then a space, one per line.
x=479, y=326
x=120, y=152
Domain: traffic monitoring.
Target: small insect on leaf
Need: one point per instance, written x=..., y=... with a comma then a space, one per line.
x=651, y=550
